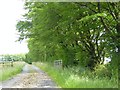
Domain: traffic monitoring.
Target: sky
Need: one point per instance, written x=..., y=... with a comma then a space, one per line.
x=10, y=12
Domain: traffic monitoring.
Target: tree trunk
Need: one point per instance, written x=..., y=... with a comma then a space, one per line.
x=93, y=60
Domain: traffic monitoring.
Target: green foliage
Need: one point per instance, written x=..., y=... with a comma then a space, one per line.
x=67, y=78
x=102, y=71
x=81, y=56
x=13, y=57
x=71, y=31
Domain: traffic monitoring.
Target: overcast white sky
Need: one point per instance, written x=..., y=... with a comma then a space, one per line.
x=10, y=12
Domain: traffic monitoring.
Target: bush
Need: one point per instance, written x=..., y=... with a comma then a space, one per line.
x=102, y=71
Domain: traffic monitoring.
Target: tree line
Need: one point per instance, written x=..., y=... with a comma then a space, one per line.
x=76, y=32
x=12, y=57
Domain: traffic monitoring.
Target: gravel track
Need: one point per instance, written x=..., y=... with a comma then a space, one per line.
x=30, y=77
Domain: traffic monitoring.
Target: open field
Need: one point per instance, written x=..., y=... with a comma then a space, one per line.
x=7, y=71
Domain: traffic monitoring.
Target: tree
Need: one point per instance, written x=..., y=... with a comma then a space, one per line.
x=57, y=30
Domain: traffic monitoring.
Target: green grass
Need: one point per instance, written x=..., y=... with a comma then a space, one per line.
x=68, y=79
x=7, y=72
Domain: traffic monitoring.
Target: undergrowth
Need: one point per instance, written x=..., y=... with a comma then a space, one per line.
x=76, y=77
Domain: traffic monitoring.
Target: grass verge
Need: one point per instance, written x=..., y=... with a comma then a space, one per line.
x=8, y=72
x=68, y=79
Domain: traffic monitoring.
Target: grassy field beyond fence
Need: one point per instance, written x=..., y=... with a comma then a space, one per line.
x=68, y=79
x=7, y=72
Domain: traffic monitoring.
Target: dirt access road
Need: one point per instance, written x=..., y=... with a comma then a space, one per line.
x=31, y=77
